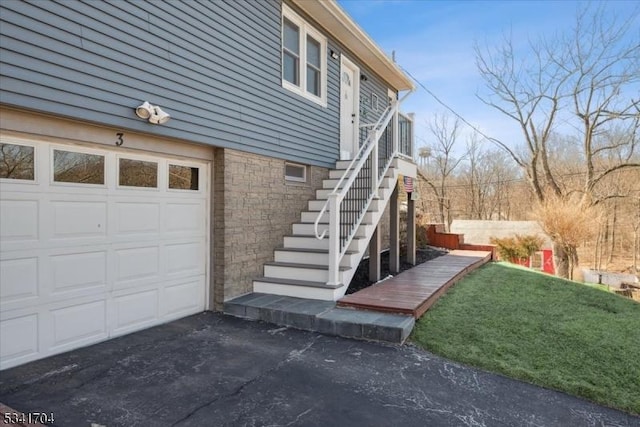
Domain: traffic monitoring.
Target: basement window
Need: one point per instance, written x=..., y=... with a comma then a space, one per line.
x=295, y=172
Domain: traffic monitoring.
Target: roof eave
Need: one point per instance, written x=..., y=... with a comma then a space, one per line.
x=340, y=25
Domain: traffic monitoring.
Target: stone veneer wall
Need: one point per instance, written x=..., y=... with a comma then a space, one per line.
x=253, y=208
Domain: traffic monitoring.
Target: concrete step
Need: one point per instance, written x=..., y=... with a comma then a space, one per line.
x=295, y=271
x=338, y=172
x=331, y=183
x=310, y=242
x=313, y=256
x=310, y=217
x=297, y=288
x=385, y=193
x=316, y=205
x=387, y=182
x=321, y=316
x=308, y=229
x=343, y=164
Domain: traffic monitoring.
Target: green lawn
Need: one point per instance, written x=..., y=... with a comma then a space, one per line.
x=541, y=329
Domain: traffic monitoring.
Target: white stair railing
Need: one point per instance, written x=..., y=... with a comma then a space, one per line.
x=358, y=186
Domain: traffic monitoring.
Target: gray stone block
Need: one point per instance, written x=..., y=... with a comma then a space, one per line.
x=382, y=333
x=311, y=307
x=264, y=300
x=348, y=329
x=395, y=320
x=282, y=303
x=321, y=316
x=235, y=309
x=272, y=315
x=373, y=332
x=300, y=320
x=252, y=313
x=246, y=299
x=348, y=315
x=325, y=326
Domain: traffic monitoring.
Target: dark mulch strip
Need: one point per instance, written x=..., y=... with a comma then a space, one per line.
x=361, y=278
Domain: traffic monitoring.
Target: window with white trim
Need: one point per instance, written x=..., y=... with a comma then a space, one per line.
x=295, y=172
x=78, y=167
x=304, y=58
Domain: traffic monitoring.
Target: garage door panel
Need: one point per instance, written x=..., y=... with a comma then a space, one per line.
x=135, y=264
x=79, y=219
x=18, y=339
x=184, y=298
x=79, y=271
x=135, y=218
x=79, y=323
x=19, y=221
x=80, y=263
x=28, y=189
x=185, y=258
x=18, y=280
x=136, y=310
x=183, y=217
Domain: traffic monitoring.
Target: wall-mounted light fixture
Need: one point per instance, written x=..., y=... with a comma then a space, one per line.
x=153, y=113
x=363, y=77
x=334, y=54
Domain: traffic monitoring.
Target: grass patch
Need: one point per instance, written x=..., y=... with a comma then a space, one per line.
x=541, y=329
x=597, y=286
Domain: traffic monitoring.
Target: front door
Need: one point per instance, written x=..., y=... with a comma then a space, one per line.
x=349, y=102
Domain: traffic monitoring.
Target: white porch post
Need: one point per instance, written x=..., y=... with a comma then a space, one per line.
x=411, y=133
x=396, y=130
x=374, y=165
x=394, y=232
x=334, y=240
x=411, y=231
x=374, y=255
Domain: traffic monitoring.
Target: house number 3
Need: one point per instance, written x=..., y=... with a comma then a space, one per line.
x=119, y=139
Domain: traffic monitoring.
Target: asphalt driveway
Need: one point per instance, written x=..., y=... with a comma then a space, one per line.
x=214, y=370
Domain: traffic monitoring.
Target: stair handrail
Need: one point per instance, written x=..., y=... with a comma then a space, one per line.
x=361, y=156
x=337, y=195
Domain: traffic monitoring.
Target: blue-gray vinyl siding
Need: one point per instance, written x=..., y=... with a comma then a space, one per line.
x=213, y=65
x=372, y=85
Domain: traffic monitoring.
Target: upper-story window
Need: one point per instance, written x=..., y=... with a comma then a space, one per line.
x=304, y=58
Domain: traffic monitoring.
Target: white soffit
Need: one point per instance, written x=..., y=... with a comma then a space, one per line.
x=336, y=21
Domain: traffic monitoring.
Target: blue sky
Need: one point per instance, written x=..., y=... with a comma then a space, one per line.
x=434, y=40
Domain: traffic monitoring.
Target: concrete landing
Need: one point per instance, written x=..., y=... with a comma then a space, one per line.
x=385, y=311
x=322, y=316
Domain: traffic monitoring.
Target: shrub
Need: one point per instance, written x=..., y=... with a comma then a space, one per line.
x=516, y=248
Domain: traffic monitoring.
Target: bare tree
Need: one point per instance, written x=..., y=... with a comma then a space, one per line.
x=636, y=239
x=584, y=80
x=485, y=177
x=443, y=162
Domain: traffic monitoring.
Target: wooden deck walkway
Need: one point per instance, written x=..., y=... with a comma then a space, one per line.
x=414, y=291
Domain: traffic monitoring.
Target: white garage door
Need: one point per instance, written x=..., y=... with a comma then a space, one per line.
x=95, y=243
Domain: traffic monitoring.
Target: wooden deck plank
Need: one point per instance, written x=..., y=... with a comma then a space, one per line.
x=414, y=291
